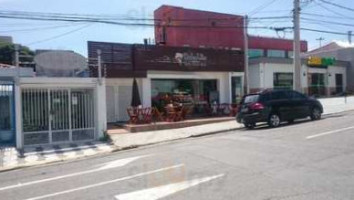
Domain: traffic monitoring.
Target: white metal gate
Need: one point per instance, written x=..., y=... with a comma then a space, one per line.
x=51, y=116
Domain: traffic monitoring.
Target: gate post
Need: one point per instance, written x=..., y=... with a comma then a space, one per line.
x=101, y=109
x=18, y=119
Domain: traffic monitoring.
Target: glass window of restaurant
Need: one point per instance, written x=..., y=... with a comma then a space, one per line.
x=283, y=81
x=197, y=94
x=276, y=53
x=255, y=53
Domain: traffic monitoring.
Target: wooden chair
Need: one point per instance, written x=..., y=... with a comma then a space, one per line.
x=157, y=115
x=208, y=110
x=179, y=113
x=225, y=109
x=170, y=114
x=146, y=114
x=233, y=110
x=133, y=115
x=185, y=111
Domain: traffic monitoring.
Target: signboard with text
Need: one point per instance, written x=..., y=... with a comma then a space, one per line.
x=320, y=62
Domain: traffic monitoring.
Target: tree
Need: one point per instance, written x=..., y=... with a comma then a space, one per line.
x=7, y=53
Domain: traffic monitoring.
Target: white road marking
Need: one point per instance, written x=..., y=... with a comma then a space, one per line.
x=329, y=132
x=106, y=166
x=165, y=190
x=106, y=182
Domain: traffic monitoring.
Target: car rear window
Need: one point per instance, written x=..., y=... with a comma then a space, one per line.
x=251, y=99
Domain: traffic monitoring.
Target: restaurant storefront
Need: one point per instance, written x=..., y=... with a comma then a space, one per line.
x=319, y=76
x=197, y=78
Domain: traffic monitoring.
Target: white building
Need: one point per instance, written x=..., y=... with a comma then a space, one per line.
x=41, y=111
x=341, y=51
x=320, y=80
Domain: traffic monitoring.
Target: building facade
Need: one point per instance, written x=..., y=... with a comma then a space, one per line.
x=178, y=26
x=319, y=80
x=340, y=51
x=191, y=75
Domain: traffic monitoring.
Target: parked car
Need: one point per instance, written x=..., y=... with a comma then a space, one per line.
x=276, y=106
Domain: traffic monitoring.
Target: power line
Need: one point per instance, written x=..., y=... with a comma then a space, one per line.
x=337, y=5
x=323, y=25
x=306, y=4
x=124, y=23
x=38, y=29
x=328, y=22
x=263, y=6
x=81, y=19
x=58, y=36
x=330, y=10
x=104, y=17
x=327, y=16
x=323, y=31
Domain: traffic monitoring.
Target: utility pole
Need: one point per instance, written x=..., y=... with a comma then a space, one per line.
x=245, y=36
x=320, y=40
x=297, y=58
x=17, y=55
x=99, y=63
x=17, y=63
x=350, y=37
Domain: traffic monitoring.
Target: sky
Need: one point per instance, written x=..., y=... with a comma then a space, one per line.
x=74, y=36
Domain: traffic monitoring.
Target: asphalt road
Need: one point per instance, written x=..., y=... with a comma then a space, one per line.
x=305, y=160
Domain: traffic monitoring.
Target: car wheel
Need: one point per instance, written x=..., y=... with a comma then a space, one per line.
x=274, y=120
x=316, y=114
x=250, y=125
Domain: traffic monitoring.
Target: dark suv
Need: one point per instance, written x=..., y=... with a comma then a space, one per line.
x=276, y=106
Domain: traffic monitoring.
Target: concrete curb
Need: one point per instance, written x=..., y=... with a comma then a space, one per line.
x=120, y=148
x=216, y=132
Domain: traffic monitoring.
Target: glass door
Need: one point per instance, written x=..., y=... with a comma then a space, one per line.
x=236, y=89
x=317, y=84
x=339, y=83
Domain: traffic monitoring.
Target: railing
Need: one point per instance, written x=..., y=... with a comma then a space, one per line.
x=58, y=115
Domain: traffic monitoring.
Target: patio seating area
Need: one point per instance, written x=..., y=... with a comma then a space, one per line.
x=176, y=113
x=173, y=116
x=124, y=128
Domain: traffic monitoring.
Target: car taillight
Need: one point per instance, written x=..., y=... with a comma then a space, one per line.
x=257, y=106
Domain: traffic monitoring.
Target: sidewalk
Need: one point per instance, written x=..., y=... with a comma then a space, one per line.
x=129, y=140
x=10, y=158
x=337, y=104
